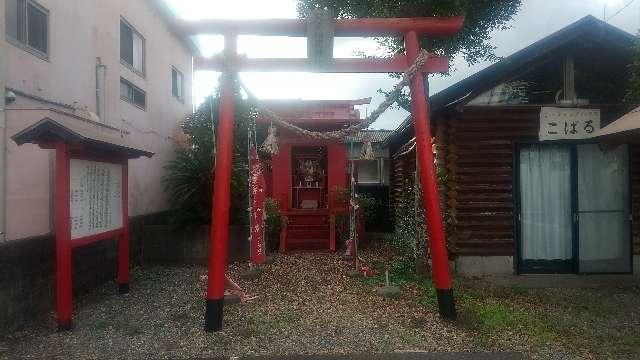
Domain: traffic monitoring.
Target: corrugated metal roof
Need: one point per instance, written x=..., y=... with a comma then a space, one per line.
x=375, y=136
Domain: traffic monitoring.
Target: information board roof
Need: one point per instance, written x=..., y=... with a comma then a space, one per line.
x=56, y=125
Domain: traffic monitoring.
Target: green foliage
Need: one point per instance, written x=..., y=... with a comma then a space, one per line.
x=410, y=232
x=188, y=178
x=632, y=98
x=272, y=223
x=481, y=18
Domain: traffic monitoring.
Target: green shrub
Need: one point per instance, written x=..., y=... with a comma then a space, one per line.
x=272, y=223
x=188, y=177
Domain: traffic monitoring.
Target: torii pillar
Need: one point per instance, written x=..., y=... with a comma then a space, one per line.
x=410, y=29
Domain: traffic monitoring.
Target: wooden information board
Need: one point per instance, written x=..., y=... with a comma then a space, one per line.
x=95, y=197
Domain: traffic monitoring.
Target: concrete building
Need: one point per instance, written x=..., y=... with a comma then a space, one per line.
x=116, y=62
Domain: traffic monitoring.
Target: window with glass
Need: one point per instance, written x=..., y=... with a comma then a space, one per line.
x=131, y=47
x=177, y=84
x=27, y=25
x=574, y=208
x=133, y=94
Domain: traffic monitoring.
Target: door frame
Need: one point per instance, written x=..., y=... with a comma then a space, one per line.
x=571, y=266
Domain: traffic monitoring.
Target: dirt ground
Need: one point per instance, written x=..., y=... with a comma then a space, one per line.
x=307, y=304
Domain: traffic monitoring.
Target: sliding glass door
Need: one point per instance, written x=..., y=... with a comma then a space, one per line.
x=603, y=209
x=574, y=209
x=545, y=208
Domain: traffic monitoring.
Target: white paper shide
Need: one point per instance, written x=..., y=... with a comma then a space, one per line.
x=95, y=197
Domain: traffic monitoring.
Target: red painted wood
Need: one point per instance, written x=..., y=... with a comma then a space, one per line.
x=64, y=295
x=382, y=65
x=337, y=170
x=283, y=235
x=432, y=26
x=94, y=238
x=123, y=245
x=281, y=164
x=428, y=180
x=222, y=183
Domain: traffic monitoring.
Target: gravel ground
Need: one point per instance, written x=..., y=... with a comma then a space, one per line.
x=305, y=303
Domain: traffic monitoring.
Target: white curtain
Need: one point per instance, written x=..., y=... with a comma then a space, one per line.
x=138, y=52
x=603, y=206
x=545, y=202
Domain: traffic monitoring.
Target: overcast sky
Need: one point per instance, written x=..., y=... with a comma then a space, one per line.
x=536, y=19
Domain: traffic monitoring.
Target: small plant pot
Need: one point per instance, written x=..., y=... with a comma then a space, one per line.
x=390, y=292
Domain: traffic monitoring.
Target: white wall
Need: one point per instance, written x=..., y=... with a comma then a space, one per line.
x=80, y=31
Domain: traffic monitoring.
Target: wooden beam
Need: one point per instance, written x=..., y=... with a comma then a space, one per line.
x=396, y=64
x=429, y=26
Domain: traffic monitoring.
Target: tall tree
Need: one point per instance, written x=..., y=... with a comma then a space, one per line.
x=632, y=97
x=482, y=17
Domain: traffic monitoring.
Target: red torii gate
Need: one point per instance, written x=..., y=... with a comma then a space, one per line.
x=411, y=29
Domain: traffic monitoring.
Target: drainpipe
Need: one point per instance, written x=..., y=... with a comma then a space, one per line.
x=3, y=123
x=100, y=90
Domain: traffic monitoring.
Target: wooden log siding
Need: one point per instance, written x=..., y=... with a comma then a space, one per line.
x=479, y=161
x=635, y=196
x=477, y=150
x=402, y=167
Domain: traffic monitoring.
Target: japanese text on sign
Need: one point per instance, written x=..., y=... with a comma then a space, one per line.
x=95, y=197
x=568, y=123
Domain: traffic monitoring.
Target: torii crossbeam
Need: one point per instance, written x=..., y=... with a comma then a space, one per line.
x=410, y=29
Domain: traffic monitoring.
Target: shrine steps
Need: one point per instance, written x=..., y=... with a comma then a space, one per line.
x=306, y=230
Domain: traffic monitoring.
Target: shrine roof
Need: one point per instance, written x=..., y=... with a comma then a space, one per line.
x=55, y=125
x=319, y=111
x=375, y=136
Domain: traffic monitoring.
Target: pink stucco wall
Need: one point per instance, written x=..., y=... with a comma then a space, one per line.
x=81, y=31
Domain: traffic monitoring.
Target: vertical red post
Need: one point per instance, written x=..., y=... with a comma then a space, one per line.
x=428, y=181
x=123, y=243
x=221, y=195
x=64, y=295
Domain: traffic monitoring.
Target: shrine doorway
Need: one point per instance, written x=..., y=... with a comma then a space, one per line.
x=309, y=177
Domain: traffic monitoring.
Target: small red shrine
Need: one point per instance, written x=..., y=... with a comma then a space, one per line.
x=308, y=176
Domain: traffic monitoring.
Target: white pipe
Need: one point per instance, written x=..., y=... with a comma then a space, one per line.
x=3, y=124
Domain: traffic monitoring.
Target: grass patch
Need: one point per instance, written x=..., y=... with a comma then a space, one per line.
x=100, y=325
x=261, y=324
x=588, y=322
x=408, y=338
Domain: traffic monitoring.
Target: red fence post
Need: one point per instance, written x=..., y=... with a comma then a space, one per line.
x=428, y=181
x=64, y=295
x=123, y=243
x=221, y=196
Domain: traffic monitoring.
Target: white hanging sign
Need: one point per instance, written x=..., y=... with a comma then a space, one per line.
x=568, y=123
x=95, y=197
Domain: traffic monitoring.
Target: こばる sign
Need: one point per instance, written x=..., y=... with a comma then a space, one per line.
x=568, y=123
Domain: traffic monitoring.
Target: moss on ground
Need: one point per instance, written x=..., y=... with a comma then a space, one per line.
x=589, y=322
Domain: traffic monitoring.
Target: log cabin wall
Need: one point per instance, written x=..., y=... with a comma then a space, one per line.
x=479, y=163
x=477, y=148
x=635, y=197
